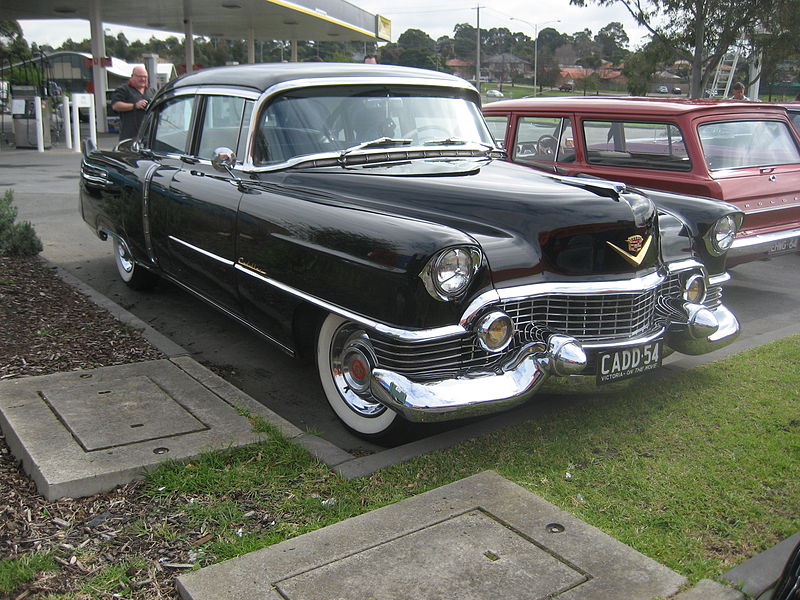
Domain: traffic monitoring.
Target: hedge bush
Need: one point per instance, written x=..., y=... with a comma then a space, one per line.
x=16, y=239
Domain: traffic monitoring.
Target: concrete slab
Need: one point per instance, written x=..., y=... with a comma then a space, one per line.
x=85, y=432
x=759, y=573
x=481, y=537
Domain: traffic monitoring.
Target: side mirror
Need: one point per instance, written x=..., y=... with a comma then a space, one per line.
x=224, y=159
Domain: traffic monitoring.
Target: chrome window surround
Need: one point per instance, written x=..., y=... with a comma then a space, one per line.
x=262, y=98
x=271, y=92
x=207, y=90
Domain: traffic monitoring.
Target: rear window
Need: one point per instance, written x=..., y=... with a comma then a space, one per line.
x=638, y=144
x=753, y=143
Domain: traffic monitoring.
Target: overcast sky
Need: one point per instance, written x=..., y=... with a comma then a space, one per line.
x=436, y=19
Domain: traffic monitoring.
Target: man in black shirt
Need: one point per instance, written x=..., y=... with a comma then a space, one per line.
x=130, y=101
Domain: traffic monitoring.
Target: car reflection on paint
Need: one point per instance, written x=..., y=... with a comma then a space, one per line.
x=362, y=216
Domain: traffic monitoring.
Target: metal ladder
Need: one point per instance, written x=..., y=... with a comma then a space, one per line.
x=724, y=74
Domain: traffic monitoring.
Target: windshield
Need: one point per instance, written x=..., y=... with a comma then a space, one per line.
x=737, y=144
x=335, y=119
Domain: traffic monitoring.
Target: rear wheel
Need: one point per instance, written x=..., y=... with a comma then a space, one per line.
x=134, y=276
x=343, y=360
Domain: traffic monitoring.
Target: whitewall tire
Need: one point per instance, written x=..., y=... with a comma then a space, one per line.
x=342, y=361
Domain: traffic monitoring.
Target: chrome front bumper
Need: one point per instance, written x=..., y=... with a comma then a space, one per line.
x=753, y=246
x=523, y=375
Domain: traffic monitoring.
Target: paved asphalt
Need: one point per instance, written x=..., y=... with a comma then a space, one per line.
x=763, y=295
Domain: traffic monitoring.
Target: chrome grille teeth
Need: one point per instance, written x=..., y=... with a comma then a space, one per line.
x=588, y=318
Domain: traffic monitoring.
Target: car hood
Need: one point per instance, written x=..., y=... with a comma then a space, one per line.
x=529, y=225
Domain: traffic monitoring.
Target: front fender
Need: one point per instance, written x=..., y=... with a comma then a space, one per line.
x=366, y=262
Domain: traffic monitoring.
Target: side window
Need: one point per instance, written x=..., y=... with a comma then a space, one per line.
x=538, y=139
x=222, y=123
x=497, y=126
x=638, y=144
x=172, y=126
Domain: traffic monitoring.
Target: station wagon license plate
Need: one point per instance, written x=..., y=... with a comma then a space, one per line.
x=783, y=247
x=628, y=362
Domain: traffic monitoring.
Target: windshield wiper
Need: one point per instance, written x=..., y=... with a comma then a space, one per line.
x=376, y=143
x=454, y=141
x=450, y=141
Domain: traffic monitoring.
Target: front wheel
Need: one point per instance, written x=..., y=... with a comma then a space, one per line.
x=343, y=361
x=134, y=276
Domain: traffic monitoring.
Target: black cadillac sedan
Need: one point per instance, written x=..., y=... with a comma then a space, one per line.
x=360, y=215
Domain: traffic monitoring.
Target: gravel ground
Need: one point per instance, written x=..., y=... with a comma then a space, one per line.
x=46, y=326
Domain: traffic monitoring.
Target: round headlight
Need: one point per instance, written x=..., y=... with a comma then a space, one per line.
x=694, y=290
x=723, y=234
x=453, y=271
x=495, y=331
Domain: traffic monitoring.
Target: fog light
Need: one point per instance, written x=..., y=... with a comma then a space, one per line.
x=495, y=332
x=567, y=355
x=701, y=322
x=695, y=289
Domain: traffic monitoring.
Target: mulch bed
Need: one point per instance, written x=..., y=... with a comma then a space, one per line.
x=46, y=326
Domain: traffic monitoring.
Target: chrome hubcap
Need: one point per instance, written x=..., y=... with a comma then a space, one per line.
x=123, y=258
x=351, y=361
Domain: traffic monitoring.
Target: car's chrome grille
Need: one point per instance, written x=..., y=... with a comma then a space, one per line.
x=588, y=318
x=432, y=360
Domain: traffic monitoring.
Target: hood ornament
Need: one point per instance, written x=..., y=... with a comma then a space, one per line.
x=637, y=249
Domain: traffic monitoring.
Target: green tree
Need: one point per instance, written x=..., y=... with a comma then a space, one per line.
x=416, y=39
x=613, y=41
x=700, y=31
x=641, y=66
x=464, y=40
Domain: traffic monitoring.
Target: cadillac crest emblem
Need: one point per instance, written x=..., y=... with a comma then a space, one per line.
x=637, y=249
x=635, y=243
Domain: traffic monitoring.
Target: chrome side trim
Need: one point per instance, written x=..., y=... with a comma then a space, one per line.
x=405, y=335
x=785, y=205
x=475, y=307
x=225, y=261
x=101, y=182
x=233, y=315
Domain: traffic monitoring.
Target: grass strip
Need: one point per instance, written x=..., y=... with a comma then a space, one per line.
x=697, y=470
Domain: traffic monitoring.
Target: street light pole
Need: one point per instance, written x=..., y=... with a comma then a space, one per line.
x=478, y=49
x=535, y=48
x=535, y=60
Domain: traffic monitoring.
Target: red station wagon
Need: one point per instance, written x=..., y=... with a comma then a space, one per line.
x=745, y=153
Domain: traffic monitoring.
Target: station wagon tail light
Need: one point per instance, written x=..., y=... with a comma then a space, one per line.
x=449, y=273
x=722, y=234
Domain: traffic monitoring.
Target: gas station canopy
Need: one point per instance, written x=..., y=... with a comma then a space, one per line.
x=319, y=20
